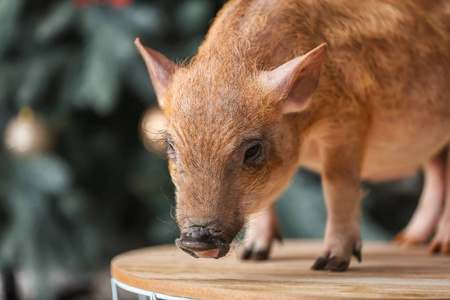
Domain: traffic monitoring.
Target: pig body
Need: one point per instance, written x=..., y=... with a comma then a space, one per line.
x=351, y=89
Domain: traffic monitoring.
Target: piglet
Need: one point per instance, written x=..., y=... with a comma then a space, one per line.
x=350, y=89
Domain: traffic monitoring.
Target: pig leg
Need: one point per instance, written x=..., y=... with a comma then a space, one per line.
x=425, y=218
x=342, y=191
x=441, y=240
x=262, y=229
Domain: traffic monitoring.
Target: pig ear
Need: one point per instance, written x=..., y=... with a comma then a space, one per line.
x=296, y=80
x=160, y=69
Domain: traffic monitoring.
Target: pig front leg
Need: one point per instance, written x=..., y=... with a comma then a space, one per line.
x=425, y=218
x=341, y=185
x=263, y=228
x=441, y=240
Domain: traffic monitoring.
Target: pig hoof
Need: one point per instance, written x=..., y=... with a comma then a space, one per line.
x=441, y=240
x=255, y=253
x=337, y=264
x=334, y=264
x=250, y=254
x=357, y=254
x=407, y=240
x=321, y=262
x=439, y=247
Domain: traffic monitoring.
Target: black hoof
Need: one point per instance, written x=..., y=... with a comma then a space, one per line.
x=336, y=264
x=357, y=254
x=249, y=254
x=321, y=263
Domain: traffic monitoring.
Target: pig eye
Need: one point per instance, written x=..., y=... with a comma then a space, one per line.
x=253, y=155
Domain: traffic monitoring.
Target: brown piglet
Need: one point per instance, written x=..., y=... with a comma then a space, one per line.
x=354, y=90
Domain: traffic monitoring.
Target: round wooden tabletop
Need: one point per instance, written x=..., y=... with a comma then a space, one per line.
x=387, y=271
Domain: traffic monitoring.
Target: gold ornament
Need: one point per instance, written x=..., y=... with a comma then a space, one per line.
x=26, y=134
x=153, y=129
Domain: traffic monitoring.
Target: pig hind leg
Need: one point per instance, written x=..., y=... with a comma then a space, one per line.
x=441, y=240
x=263, y=228
x=423, y=223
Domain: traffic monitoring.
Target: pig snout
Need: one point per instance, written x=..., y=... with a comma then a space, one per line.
x=203, y=242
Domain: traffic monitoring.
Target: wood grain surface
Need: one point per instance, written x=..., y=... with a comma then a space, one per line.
x=387, y=272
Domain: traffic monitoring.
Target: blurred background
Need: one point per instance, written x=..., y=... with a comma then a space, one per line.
x=77, y=186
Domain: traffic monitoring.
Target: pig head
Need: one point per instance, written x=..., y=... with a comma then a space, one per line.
x=231, y=147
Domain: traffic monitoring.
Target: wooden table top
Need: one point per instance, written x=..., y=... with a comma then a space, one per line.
x=386, y=272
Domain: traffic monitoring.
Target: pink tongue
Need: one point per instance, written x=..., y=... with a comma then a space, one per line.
x=214, y=253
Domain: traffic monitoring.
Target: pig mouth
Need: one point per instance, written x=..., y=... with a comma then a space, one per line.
x=203, y=247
